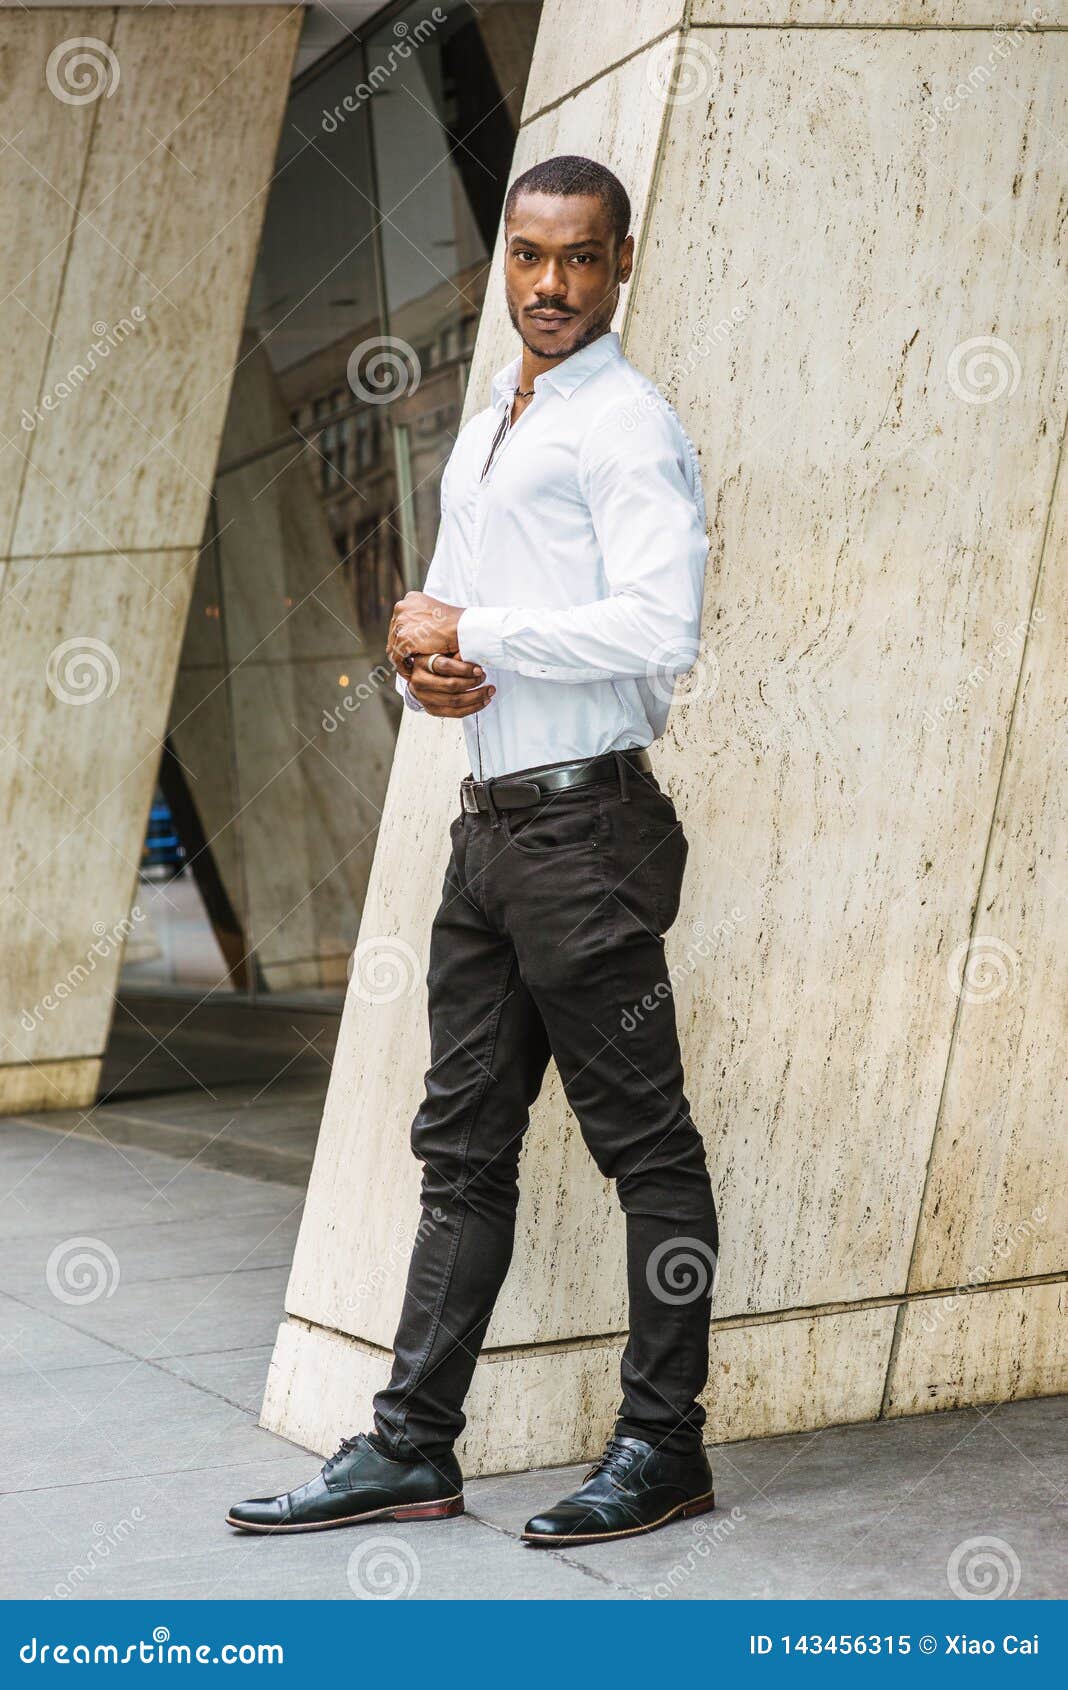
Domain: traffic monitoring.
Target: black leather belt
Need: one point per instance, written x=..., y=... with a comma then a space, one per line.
x=530, y=786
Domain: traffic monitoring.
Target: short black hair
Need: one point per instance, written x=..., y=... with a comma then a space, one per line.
x=571, y=174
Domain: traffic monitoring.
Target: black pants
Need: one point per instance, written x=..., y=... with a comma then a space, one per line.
x=549, y=941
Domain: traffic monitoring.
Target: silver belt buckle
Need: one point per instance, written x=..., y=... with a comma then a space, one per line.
x=468, y=802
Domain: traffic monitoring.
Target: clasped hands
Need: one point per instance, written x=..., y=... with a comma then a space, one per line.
x=421, y=627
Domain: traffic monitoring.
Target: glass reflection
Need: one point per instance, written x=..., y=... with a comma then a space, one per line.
x=391, y=174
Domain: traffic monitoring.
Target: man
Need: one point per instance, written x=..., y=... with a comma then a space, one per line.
x=563, y=597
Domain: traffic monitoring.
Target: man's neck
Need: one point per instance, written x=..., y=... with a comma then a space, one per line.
x=534, y=364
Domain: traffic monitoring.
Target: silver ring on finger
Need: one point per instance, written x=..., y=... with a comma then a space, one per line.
x=431, y=661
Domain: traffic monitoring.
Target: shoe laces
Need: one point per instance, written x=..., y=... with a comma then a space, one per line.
x=616, y=1462
x=346, y=1447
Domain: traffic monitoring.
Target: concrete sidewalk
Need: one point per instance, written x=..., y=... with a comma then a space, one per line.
x=140, y=1297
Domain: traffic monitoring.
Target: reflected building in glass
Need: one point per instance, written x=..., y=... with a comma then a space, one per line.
x=391, y=174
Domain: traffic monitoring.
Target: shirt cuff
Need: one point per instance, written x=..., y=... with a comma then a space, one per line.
x=402, y=688
x=482, y=638
x=479, y=637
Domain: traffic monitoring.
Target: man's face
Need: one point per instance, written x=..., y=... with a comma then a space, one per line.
x=562, y=271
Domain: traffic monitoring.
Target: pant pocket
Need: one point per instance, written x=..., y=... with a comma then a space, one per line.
x=553, y=829
x=667, y=849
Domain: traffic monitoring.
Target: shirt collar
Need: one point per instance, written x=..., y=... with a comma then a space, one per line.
x=567, y=375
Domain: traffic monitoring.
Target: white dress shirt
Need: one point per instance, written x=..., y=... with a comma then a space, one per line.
x=581, y=556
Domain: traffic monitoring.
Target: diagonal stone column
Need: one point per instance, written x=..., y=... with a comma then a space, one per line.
x=850, y=284
x=137, y=149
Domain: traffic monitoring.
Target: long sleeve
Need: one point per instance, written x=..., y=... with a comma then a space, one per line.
x=649, y=520
x=440, y=576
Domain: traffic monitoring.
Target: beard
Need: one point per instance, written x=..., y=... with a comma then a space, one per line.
x=593, y=329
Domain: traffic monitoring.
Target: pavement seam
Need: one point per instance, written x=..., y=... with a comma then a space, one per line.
x=150, y=1478
x=184, y=1278
x=122, y=1353
x=98, y=1141
x=551, y=1555
x=243, y=1351
x=276, y=1167
x=162, y=1220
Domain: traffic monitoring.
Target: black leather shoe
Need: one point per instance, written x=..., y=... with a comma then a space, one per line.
x=359, y=1484
x=633, y=1488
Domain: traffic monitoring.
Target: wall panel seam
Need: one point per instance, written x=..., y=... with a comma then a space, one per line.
x=68, y=247
x=977, y=899
x=893, y=28
x=190, y=548
x=591, y=81
x=650, y=201
x=727, y=1323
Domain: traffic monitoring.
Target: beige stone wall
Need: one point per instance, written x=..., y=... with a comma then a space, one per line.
x=133, y=175
x=851, y=284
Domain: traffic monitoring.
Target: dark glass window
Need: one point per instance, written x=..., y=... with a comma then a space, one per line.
x=391, y=174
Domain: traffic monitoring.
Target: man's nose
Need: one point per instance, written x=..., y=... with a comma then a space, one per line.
x=551, y=282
